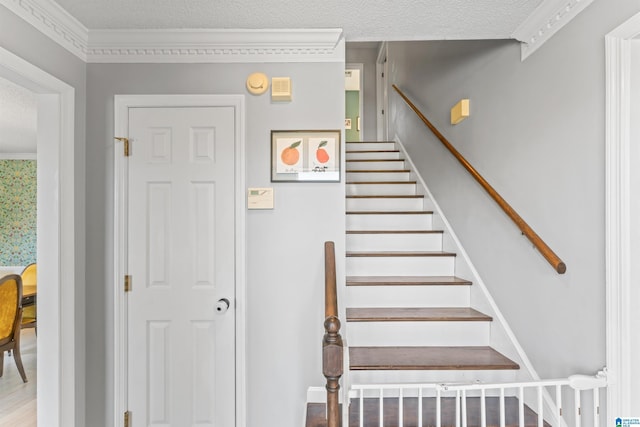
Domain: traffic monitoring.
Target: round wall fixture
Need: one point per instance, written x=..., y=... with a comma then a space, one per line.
x=257, y=83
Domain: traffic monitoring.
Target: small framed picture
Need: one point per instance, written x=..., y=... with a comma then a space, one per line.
x=305, y=155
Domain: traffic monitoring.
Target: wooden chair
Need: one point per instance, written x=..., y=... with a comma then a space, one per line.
x=29, y=286
x=10, y=319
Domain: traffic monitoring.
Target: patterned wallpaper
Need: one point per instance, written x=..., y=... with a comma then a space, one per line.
x=17, y=212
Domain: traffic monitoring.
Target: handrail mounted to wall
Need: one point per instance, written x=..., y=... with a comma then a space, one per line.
x=544, y=249
x=332, y=347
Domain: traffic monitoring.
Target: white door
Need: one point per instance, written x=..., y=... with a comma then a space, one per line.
x=181, y=249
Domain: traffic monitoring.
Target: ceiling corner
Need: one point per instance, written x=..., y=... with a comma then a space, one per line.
x=52, y=20
x=545, y=21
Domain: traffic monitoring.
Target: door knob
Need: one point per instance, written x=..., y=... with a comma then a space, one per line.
x=222, y=306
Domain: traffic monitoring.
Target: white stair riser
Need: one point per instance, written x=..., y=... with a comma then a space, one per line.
x=378, y=176
x=400, y=266
x=403, y=189
x=418, y=333
x=408, y=296
x=377, y=166
x=385, y=205
x=366, y=155
x=389, y=222
x=395, y=242
x=369, y=146
x=431, y=377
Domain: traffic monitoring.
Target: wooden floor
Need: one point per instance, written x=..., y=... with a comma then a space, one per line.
x=17, y=399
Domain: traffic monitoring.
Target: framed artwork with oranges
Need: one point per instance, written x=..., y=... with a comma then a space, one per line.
x=305, y=155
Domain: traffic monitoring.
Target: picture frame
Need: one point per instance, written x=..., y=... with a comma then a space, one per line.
x=305, y=155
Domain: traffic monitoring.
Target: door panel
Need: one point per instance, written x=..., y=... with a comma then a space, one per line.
x=182, y=261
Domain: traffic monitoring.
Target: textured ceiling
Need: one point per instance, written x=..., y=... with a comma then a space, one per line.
x=361, y=20
x=18, y=118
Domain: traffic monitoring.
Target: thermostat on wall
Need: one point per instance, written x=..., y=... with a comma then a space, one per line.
x=260, y=198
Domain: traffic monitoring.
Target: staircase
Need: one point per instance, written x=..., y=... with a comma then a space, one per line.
x=409, y=318
x=406, y=309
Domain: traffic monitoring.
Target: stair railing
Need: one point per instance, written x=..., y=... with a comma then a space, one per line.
x=332, y=346
x=544, y=249
x=424, y=404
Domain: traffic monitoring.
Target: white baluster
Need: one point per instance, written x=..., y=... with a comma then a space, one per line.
x=464, y=408
x=521, y=407
x=438, y=409
x=483, y=408
x=559, y=399
x=540, y=408
x=400, y=407
x=596, y=407
x=381, y=410
x=578, y=410
x=502, y=416
x=458, y=408
x=420, y=407
x=362, y=408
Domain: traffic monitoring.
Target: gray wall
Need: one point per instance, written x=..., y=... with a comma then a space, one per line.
x=285, y=276
x=366, y=56
x=536, y=133
x=31, y=45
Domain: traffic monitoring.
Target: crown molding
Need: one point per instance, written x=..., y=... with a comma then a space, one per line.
x=179, y=46
x=53, y=21
x=545, y=21
x=215, y=46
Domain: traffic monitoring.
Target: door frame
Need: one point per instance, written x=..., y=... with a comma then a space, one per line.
x=360, y=67
x=60, y=350
x=618, y=239
x=382, y=92
x=122, y=103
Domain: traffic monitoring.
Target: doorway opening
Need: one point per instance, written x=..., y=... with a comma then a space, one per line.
x=353, y=86
x=57, y=355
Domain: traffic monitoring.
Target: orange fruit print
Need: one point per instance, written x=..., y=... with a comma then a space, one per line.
x=321, y=153
x=291, y=155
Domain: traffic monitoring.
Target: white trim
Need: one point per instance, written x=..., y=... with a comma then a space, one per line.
x=215, y=46
x=17, y=156
x=60, y=351
x=52, y=20
x=545, y=21
x=382, y=101
x=121, y=105
x=618, y=221
x=360, y=67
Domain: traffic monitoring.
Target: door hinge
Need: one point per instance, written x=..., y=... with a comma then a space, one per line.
x=383, y=112
x=127, y=419
x=126, y=144
x=127, y=283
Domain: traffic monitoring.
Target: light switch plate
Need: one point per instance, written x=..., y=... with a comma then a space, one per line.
x=260, y=198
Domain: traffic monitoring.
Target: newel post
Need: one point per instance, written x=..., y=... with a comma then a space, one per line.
x=332, y=368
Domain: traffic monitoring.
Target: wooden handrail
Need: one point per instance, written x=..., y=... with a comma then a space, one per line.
x=544, y=249
x=332, y=347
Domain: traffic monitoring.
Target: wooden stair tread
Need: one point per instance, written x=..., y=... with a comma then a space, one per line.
x=428, y=358
x=406, y=281
x=395, y=232
x=316, y=412
x=389, y=212
x=413, y=314
x=400, y=254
